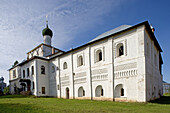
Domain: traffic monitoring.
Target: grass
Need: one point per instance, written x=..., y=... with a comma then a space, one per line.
x=27, y=104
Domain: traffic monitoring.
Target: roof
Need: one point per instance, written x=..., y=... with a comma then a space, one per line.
x=104, y=36
x=47, y=31
x=25, y=61
x=118, y=29
x=44, y=45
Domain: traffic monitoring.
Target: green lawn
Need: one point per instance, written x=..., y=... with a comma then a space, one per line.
x=25, y=104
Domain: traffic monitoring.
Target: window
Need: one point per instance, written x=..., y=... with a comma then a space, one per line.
x=32, y=69
x=14, y=73
x=23, y=73
x=99, y=91
x=28, y=72
x=33, y=85
x=81, y=92
x=53, y=69
x=64, y=65
x=120, y=50
x=58, y=87
x=80, y=60
x=98, y=55
x=43, y=90
x=42, y=70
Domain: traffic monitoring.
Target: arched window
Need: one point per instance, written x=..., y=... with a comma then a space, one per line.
x=67, y=93
x=23, y=73
x=33, y=85
x=98, y=55
x=99, y=91
x=119, y=91
x=80, y=60
x=53, y=69
x=32, y=69
x=120, y=50
x=28, y=72
x=65, y=65
x=42, y=70
x=81, y=92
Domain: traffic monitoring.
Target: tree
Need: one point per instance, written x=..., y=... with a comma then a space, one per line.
x=6, y=90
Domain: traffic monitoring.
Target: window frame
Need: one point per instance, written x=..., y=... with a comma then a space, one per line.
x=80, y=60
x=65, y=66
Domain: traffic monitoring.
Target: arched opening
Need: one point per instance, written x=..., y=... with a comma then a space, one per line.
x=23, y=73
x=119, y=91
x=80, y=61
x=99, y=91
x=67, y=93
x=32, y=70
x=81, y=92
x=98, y=55
x=28, y=72
x=64, y=65
x=120, y=50
x=42, y=70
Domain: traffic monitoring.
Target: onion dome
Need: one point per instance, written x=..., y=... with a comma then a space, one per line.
x=47, y=31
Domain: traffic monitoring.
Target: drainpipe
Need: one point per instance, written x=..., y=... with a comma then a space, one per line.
x=112, y=67
x=73, y=75
x=36, y=76
x=90, y=74
x=59, y=75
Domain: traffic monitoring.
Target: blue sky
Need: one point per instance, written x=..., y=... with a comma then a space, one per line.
x=75, y=22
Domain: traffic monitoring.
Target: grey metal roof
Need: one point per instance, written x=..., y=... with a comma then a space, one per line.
x=113, y=31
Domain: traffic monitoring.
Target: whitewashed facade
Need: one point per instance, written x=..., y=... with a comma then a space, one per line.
x=123, y=64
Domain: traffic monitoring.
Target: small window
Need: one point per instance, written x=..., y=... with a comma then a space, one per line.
x=23, y=73
x=28, y=72
x=33, y=85
x=58, y=87
x=53, y=69
x=65, y=65
x=32, y=69
x=98, y=55
x=120, y=50
x=43, y=90
x=14, y=73
x=80, y=60
x=42, y=70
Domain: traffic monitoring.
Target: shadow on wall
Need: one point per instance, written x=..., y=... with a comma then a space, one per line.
x=162, y=100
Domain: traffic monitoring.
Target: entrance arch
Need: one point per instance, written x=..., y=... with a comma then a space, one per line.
x=67, y=93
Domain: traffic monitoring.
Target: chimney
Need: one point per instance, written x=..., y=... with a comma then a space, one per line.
x=152, y=28
x=53, y=50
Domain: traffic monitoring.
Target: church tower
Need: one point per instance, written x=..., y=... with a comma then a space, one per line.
x=47, y=34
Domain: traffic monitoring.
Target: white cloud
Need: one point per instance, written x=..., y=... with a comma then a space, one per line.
x=21, y=23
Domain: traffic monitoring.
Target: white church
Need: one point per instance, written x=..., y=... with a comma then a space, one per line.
x=123, y=64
